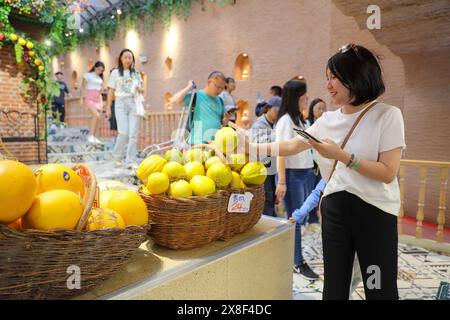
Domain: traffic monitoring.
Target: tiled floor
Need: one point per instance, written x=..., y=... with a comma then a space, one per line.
x=419, y=272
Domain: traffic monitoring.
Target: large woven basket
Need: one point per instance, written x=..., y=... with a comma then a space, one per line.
x=241, y=222
x=38, y=264
x=179, y=223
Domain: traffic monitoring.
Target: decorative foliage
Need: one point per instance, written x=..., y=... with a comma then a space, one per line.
x=38, y=82
x=145, y=16
x=50, y=14
x=63, y=38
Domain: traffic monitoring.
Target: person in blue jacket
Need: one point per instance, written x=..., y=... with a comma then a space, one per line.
x=301, y=214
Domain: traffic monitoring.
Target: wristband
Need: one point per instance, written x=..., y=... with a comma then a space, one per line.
x=355, y=165
x=351, y=161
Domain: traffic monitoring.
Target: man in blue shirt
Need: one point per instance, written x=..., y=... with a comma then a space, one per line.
x=209, y=111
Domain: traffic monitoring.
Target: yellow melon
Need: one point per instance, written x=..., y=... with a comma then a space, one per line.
x=128, y=204
x=152, y=164
x=104, y=219
x=17, y=190
x=57, y=176
x=54, y=209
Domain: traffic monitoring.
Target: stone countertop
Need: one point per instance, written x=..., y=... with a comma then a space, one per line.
x=153, y=265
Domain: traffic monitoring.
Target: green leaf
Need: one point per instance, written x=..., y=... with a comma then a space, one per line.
x=18, y=49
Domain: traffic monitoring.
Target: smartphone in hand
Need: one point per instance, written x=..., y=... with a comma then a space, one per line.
x=306, y=135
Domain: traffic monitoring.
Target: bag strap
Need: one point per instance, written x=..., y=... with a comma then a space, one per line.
x=191, y=115
x=370, y=106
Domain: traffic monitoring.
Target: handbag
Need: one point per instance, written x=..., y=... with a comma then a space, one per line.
x=139, y=101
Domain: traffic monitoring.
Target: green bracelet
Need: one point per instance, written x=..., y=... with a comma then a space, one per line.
x=355, y=165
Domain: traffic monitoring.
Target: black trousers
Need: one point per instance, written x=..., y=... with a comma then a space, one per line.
x=58, y=108
x=351, y=225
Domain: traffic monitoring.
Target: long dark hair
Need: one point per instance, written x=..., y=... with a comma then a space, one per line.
x=120, y=65
x=97, y=65
x=292, y=91
x=311, y=110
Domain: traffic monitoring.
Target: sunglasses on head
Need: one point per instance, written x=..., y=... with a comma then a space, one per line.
x=349, y=47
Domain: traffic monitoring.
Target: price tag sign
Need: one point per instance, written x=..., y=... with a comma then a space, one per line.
x=240, y=203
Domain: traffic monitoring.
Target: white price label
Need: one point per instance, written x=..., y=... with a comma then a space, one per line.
x=240, y=203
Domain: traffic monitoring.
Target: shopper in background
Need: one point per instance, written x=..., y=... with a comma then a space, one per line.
x=58, y=103
x=263, y=131
x=125, y=84
x=91, y=97
x=316, y=108
x=208, y=113
x=228, y=99
x=295, y=173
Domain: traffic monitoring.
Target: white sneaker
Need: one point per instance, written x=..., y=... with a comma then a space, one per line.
x=91, y=139
x=132, y=166
x=62, y=126
x=118, y=164
x=97, y=140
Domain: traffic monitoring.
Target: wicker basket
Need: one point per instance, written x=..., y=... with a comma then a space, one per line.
x=38, y=264
x=240, y=222
x=179, y=223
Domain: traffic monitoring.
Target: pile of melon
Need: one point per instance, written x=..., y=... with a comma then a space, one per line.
x=51, y=198
x=198, y=171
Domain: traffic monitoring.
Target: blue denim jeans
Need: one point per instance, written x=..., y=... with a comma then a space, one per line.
x=313, y=217
x=299, y=185
x=127, y=126
x=269, y=191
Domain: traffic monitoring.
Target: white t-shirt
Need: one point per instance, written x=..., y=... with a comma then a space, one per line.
x=285, y=131
x=126, y=85
x=94, y=82
x=381, y=129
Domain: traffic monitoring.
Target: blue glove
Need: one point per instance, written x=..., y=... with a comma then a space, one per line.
x=300, y=215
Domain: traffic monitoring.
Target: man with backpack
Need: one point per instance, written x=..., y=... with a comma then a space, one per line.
x=208, y=111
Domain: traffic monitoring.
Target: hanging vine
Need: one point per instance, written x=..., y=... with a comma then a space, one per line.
x=144, y=16
x=29, y=52
x=56, y=19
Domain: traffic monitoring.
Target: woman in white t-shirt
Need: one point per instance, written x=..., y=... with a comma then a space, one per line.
x=125, y=84
x=362, y=199
x=91, y=97
x=295, y=173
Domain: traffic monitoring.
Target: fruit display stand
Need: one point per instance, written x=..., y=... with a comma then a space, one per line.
x=36, y=264
x=256, y=264
x=185, y=223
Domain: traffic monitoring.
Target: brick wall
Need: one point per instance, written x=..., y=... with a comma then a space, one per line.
x=11, y=75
